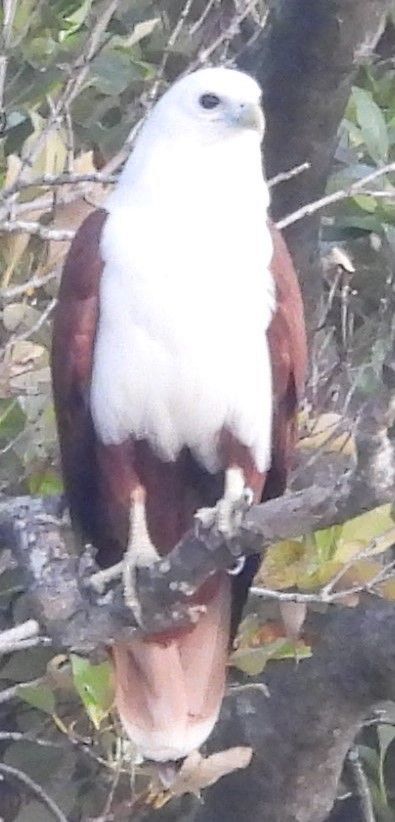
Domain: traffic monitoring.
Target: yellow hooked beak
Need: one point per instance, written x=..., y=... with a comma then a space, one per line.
x=251, y=116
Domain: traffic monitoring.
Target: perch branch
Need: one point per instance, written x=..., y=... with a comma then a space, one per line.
x=75, y=615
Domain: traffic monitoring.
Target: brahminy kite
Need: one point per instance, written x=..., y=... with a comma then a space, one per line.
x=178, y=359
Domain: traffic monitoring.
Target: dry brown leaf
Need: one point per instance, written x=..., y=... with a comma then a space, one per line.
x=19, y=317
x=293, y=615
x=198, y=772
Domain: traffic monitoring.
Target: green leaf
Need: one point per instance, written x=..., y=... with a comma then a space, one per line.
x=368, y=526
x=39, y=696
x=75, y=20
x=95, y=687
x=45, y=484
x=252, y=661
x=372, y=124
x=325, y=541
x=12, y=420
x=113, y=71
x=386, y=735
x=366, y=202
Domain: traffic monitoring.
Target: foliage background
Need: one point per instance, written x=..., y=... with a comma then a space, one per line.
x=75, y=80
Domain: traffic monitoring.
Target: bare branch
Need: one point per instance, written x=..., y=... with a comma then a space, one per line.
x=171, y=40
x=68, y=178
x=36, y=230
x=26, y=635
x=336, y=196
x=287, y=175
x=35, y=789
x=72, y=86
x=35, y=282
x=362, y=785
x=24, y=631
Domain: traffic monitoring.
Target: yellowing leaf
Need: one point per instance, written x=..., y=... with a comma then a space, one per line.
x=84, y=163
x=325, y=432
x=285, y=563
x=367, y=527
x=14, y=164
x=198, y=772
x=320, y=576
x=51, y=158
x=252, y=661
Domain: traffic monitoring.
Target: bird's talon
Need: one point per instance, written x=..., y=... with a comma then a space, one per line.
x=205, y=518
x=237, y=567
x=140, y=553
x=228, y=514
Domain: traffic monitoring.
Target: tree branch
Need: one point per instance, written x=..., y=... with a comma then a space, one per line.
x=75, y=615
x=34, y=788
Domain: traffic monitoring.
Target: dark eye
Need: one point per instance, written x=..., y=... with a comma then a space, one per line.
x=209, y=101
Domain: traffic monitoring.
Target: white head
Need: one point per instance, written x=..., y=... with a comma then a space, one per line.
x=212, y=103
x=207, y=126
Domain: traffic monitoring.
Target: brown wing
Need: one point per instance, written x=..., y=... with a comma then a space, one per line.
x=288, y=347
x=73, y=342
x=288, y=351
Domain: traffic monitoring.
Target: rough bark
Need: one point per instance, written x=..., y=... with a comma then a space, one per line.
x=306, y=59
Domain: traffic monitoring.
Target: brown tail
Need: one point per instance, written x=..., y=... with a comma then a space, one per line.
x=169, y=692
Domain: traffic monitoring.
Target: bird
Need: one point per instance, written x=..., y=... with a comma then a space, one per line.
x=178, y=361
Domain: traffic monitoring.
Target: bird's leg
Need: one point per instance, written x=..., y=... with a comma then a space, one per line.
x=140, y=551
x=228, y=513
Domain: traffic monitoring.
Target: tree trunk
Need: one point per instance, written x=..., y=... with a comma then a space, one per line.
x=306, y=59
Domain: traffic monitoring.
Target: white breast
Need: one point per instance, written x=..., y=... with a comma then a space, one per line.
x=186, y=297
x=181, y=349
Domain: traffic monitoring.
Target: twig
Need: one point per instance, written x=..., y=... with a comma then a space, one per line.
x=82, y=747
x=108, y=805
x=319, y=598
x=9, y=9
x=198, y=23
x=17, y=736
x=335, y=197
x=35, y=789
x=15, y=638
x=365, y=552
x=224, y=37
x=32, y=284
x=71, y=88
x=362, y=785
x=172, y=39
x=42, y=319
x=68, y=178
x=287, y=175
x=36, y=230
